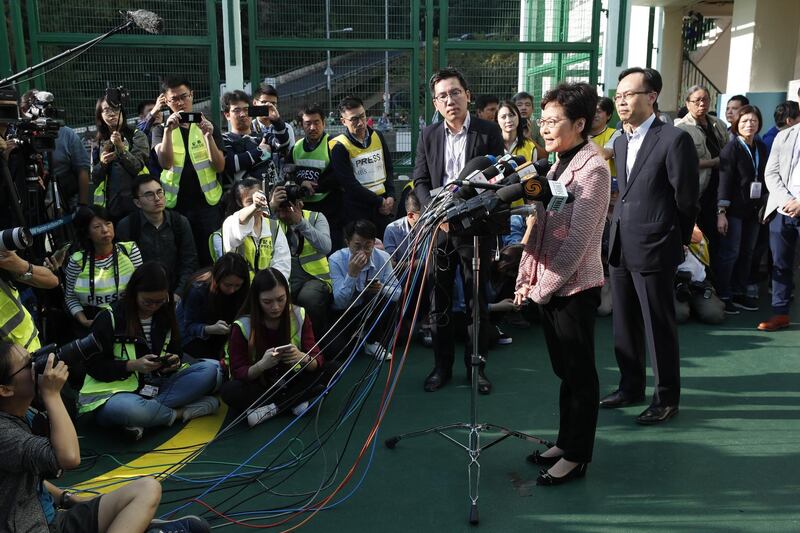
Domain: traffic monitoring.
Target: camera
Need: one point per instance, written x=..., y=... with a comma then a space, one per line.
x=294, y=192
x=117, y=96
x=683, y=286
x=258, y=111
x=73, y=353
x=15, y=239
x=40, y=134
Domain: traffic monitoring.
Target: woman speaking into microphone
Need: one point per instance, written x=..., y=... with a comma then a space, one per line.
x=561, y=270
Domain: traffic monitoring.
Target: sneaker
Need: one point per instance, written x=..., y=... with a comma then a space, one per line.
x=299, y=409
x=376, y=351
x=207, y=405
x=745, y=302
x=503, y=338
x=730, y=309
x=187, y=524
x=133, y=433
x=261, y=414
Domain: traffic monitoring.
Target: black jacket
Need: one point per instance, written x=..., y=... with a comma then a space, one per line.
x=736, y=173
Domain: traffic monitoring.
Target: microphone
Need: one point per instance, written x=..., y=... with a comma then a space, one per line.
x=524, y=210
x=146, y=20
x=549, y=192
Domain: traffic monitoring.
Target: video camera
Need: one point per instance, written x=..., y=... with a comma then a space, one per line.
x=39, y=127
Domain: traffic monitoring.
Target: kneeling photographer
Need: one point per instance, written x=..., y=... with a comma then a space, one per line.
x=694, y=294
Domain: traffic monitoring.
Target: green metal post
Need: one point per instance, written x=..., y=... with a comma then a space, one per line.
x=36, y=52
x=561, y=25
x=213, y=61
x=413, y=86
x=444, y=31
x=429, y=14
x=19, y=41
x=650, y=30
x=621, y=31
x=594, y=55
x=5, y=54
x=252, y=36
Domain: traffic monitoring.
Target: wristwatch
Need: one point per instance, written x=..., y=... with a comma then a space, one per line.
x=28, y=274
x=721, y=210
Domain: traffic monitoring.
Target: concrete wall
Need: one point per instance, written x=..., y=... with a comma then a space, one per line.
x=714, y=62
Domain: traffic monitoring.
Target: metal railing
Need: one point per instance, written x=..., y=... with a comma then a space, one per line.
x=691, y=75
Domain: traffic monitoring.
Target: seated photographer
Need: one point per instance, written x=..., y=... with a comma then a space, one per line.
x=280, y=138
x=27, y=499
x=213, y=298
x=694, y=294
x=500, y=288
x=308, y=236
x=352, y=270
x=161, y=235
x=97, y=274
x=244, y=148
x=272, y=347
x=138, y=381
x=118, y=157
x=251, y=233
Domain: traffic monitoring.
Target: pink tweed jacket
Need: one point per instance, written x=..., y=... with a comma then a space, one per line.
x=562, y=256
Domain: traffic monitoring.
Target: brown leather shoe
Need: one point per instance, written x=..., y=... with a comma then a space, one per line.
x=775, y=323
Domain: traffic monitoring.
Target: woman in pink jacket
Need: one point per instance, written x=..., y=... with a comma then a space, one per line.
x=562, y=272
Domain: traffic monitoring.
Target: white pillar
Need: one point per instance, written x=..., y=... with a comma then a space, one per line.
x=232, y=34
x=610, y=68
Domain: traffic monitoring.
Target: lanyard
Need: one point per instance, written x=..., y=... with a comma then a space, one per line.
x=757, y=157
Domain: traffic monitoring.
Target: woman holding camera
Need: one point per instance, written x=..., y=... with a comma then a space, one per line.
x=561, y=270
x=252, y=233
x=272, y=348
x=138, y=380
x=119, y=156
x=212, y=301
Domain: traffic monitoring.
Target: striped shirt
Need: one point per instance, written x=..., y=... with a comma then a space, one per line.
x=75, y=302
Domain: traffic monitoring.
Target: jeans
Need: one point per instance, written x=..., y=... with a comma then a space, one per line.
x=783, y=233
x=734, y=256
x=177, y=390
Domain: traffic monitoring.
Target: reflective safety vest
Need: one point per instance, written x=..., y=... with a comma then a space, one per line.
x=315, y=163
x=600, y=140
x=16, y=323
x=368, y=164
x=99, y=196
x=295, y=331
x=313, y=262
x=215, y=246
x=258, y=252
x=95, y=393
x=100, y=287
x=201, y=161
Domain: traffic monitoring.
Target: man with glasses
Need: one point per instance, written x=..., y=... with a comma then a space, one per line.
x=362, y=164
x=443, y=150
x=652, y=222
x=161, y=235
x=244, y=149
x=279, y=134
x=191, y=156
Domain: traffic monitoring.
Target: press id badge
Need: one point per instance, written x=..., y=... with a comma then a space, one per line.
x=148, y=391
x=755, y=190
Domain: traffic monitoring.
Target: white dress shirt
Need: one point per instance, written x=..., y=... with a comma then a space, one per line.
x=635, y=139
x=455, y=147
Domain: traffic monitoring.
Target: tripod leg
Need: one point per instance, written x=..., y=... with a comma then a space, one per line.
x=474, y=473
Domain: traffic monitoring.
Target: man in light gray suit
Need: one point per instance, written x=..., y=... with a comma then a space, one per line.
x=783, y=182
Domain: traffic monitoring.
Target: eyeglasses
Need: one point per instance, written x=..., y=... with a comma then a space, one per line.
x=442, y=98
x=355, y=120
x=154, y=303
x=110, y=111
x=698, y=101
x=179, y=98
x=549, y=123
x=26, y=366
x=152, y=195
x=627, y=95
x=239, y=110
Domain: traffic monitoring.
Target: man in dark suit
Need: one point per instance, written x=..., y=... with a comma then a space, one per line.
x=443, y=150
x=657, y=169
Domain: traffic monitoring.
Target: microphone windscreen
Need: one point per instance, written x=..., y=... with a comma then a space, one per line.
x=510, y=193
x=147, y=20
x=475, y=164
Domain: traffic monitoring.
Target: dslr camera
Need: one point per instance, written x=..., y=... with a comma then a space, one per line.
x=73, y=354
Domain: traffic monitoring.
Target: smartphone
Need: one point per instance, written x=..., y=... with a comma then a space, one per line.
x=165, y=114
x=165, y=360
x=190, y=118
x=258, y=111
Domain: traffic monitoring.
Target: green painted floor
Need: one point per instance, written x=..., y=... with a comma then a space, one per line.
x=728, y=462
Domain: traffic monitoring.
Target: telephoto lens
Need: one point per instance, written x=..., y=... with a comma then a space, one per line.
x=73, y=353
x=15, y=239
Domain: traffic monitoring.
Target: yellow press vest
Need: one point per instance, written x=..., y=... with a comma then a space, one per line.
x=318, y=159
x=16, y=323
x=295, y=331
x=95, y=393
x=201, y=161
x=258, y=252
x=108, y=284
x=526, y=150
x=368, y=164
x=600, y=140
x=312, y=261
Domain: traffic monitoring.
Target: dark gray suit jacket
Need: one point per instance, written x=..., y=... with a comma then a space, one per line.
x=657, y=203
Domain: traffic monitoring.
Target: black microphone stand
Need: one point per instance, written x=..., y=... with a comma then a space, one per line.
x=473, y=446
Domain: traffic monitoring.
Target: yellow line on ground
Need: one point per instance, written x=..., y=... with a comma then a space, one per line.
x=188, y=440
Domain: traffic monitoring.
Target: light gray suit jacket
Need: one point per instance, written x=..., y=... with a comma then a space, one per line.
x=779, y=165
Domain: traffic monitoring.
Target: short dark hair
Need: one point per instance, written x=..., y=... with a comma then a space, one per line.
x=445, y=74
x=173, y=82
x=350, y=102
x=363, y=228
x=83, y=217
x=233, y=96
x=142, y=105
x=652, y=77
x=522, y=95
x=484, y=100
x=742, y=99
x=747, y=110
x=784, y=110
x=5, y=361
x=579, y=100
x=606, y=105
x=312, y=109
x=412, y=203
x=265, y=89
x=140, y=180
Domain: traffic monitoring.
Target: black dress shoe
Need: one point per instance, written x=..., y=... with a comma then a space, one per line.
x=537, y=459
x=547, y=480
x=656, y=415
x=618, y=399
x=436, y=380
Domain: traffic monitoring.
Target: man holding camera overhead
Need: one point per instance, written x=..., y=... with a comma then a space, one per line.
x=191, y=156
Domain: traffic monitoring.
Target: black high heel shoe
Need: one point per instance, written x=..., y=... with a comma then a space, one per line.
x=537, y=459
x=546, y=479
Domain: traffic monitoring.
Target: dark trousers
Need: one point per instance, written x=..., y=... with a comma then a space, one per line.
x=240, y=394
x=568, y=325
x=450, y=251
x=204, y=221
x=644, y=320
x=783, y=233
x=734, y=256
x=311, y=294
x=342, y=337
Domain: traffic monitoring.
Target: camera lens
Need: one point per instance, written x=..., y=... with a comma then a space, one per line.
x=15, y=239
